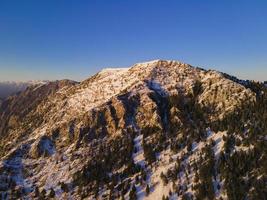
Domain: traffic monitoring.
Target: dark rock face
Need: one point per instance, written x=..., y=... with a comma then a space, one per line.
x=155, y=125
x=43, y=147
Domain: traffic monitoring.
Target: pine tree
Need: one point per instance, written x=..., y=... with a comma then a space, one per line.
x=164, y=178
x=132, y=194
x=147, y=190
x=52, y=193
x=64, y=187
x=43, y=194
x=36, y=192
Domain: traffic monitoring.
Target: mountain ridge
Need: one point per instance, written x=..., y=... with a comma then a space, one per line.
x=121, y=124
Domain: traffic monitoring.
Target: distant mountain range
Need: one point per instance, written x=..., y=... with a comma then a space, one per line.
x=156, y=130
x=8, y=88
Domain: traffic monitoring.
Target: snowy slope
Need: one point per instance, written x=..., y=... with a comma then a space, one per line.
x=77, y=124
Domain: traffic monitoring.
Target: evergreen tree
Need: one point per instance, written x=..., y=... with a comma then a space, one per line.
x=147, y=190
x=36, y=192
x=52, y=193
x=64, y=187
x=132, y=194
x=43, y=194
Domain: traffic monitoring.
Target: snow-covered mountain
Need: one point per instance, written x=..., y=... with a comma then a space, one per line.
x=156, y=130
x=8, y=88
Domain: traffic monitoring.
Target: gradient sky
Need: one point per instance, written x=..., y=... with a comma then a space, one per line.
x=56, y=39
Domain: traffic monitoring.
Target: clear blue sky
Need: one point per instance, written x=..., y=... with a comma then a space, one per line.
x=56, y=39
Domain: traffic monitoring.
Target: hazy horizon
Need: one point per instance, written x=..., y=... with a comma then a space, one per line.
x=73, y=40
x=237, y=74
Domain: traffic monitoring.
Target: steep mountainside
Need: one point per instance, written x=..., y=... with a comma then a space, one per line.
x=156, y=130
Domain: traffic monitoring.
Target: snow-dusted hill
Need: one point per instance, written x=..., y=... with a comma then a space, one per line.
x=156, y=130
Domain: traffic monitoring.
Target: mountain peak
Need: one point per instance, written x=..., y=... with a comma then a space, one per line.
x=159, y=119
x=158, y=61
